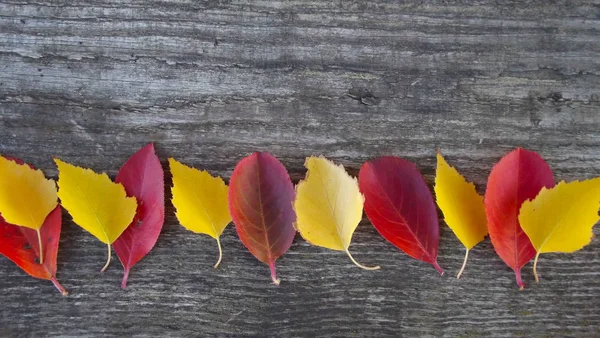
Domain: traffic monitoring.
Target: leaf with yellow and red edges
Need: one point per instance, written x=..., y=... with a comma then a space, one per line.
x=400, y=206
x=143, y=178
x=26, y=196
x=260, y=201
x=519, y=176
x=20, y=245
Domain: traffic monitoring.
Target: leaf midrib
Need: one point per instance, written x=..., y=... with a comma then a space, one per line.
x=212, y=224
x=92, y=211
x=332, y=208
x=404, y=220
x=558, y=224
x=134, y=243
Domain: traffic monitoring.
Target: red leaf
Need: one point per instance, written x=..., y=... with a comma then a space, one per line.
x=260, y=201
x=143, y=177
x=401, y=207
x=520, y=175
x=20, y=245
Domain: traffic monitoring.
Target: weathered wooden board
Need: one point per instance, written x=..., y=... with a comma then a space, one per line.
x=211, y=81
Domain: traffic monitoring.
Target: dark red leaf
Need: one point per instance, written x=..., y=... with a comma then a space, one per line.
x=520, y=175
x=143, y=177
x=260, y=201
x=20, y=245
x=401, y=207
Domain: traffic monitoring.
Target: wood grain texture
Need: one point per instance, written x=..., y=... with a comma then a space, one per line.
x=91, y=81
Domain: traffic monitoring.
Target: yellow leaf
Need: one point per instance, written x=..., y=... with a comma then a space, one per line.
x=26, y=196
x=200, y=200
x=328, y=206
x=561, y=219
x=462, y=206
x=96, y=204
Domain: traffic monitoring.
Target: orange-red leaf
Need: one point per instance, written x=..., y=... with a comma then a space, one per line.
x=260, y=202
x=20, y=245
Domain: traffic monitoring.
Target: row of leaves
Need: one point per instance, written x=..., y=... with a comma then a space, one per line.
x=524, y=211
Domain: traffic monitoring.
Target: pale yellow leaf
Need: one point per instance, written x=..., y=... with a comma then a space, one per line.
x=462, y=206
x=561, y=219
x=328, y=205
x=96, y=204
x=26, y=196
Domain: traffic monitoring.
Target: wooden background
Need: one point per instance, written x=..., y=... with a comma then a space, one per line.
x=92, y=81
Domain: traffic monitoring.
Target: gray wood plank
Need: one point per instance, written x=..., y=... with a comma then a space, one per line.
x=211, y=81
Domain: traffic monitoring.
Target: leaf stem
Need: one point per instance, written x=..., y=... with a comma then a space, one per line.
x=519, y=280
x=39, y=236
x=125, y=277
x=463, y=266
x=360, y=265
x=438, y=267
x=220, y=252
x=108, y=260
x=276, y=280
x=535, y=274
x=58, y=286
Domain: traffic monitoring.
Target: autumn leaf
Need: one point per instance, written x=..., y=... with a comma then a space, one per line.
x=260, y=203
x=329, y=206
x=26, y=246
x=400, y=206
x=20, y=245
x=462, y=206
x=561, y=219
x=142, y=177
x=26, y=196
x=201, y=201
x=520, y=175
x=96, y=204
